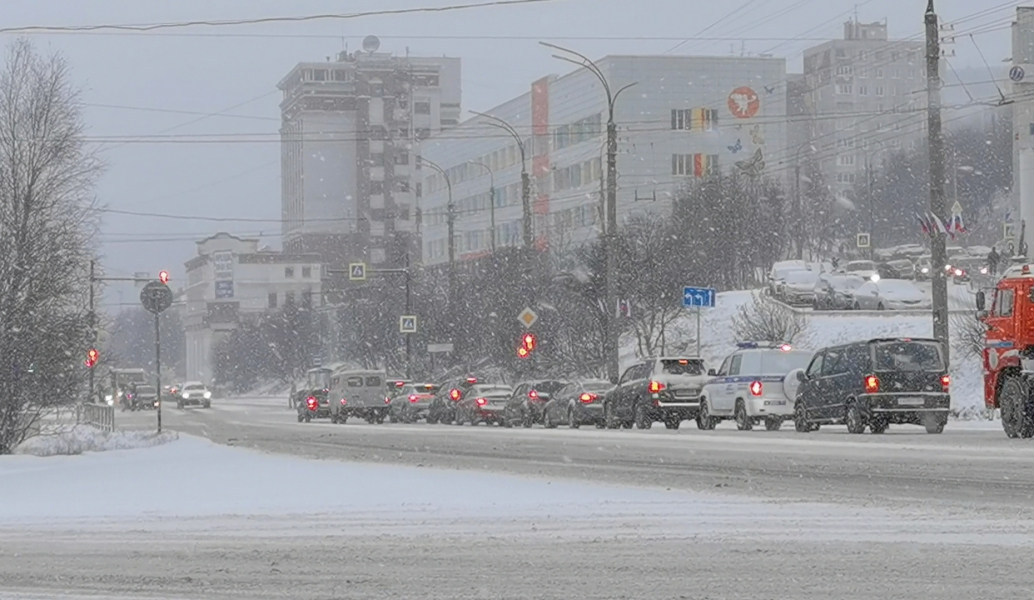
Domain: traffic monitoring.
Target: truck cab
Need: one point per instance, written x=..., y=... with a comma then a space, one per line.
x=1008, y=355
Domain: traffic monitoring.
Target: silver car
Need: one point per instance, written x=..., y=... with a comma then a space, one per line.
x=836, y=291
x=891, y=294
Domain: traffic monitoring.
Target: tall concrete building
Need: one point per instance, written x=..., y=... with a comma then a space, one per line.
x=684, y=118
x=860, y=95
x=348, y=133
x=1021, y=75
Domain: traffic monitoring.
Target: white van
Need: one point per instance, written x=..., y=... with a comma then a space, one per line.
x=358, y=394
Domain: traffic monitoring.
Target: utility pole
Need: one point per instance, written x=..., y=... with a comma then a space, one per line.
x=451, y=221
x=937, y=251
x=797, y=209
x=93, y=327
x=526, y=232
x=610, y=246
x=491, y=199
x=872, y=217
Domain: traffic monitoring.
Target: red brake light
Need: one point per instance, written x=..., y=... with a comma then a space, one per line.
x=683, y=361
x=872, y=384
x=587, y=398
x=945, y=382
x=400, y=383
x=413, y=398
x=755, y=388
x=656, y=386
x=387, y=400
x=481, y=401
x=533, y=394
x=472, y=380
x=312, y=403
x=454, y=394
x=344, y=402
x=786, y=347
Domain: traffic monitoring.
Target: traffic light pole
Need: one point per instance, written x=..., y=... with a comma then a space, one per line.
x=158, y=368
x=93, y=329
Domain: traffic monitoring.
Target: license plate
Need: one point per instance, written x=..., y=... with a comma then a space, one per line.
x=911, y=401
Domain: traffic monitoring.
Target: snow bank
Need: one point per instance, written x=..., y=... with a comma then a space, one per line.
x=83, y=438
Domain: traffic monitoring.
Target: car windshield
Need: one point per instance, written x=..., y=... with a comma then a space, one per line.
x=493, y=390
x=861, y=265
x=146, y=389
x=682, y=366
x=596, y=386
x=194, y=386
x=548, y=387
x=781, y=363
x=897, y=287
x=809, y=277
x=847, y=283
x=908, y=356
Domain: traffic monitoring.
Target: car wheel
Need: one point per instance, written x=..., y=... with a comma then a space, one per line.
x=704, y=419
x=431, y=419
x=743, y=421
x=333, y=419
x=527, y=419
x=308, y=418
x=300, y=419
x=179, y=405
x=643, y=420
x=855, y=423
x=880, y=306
x=773, y=423
x=857, y=306
x=1013, y=400
x=393, y=418
x=572, y=423
x=457, y=419
x=934, y=424
x=610, y=420
x=800, y=418
x=878, y=425
x=672, y=422
x=600, y=424
x=208, y=404
x=627, y=424
x=547, y=420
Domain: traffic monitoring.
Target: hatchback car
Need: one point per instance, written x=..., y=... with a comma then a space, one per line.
x=411, y=401
x=442, y=407
x=483, y=403
x=875, y=383
x=315, y=405
x=576, y=404
x=529, y=398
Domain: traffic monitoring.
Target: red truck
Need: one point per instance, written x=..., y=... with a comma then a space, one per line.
x=1008, y=354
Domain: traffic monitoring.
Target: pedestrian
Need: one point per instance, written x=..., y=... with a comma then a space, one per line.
x=293, y=393
x=835, y=262
x=992, y=261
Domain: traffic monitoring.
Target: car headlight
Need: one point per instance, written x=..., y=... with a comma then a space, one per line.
x=208, y=395
x=925, y=270
x=184, y=395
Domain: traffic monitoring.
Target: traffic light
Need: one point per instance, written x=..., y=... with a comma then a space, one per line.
x=528, y=342
x=92, y=356
x=163, y=276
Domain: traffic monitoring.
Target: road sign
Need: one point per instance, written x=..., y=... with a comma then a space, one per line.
x=528, y=317
x=156, y=297
x=407, y=324
x=956, y=209
x=698, y=297
x=1017, y=73
x=357, y=272
x=439, y=348
x=224, y=289
x=862, y=240
x=1009, y=231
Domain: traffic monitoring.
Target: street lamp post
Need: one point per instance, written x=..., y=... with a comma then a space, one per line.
x=798, y=207
x=610, y=233
x=451, y=221
x=870, y=176
x=526, y=232
x=491, y=198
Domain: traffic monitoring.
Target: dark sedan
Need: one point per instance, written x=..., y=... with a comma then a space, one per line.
x=576, y=404
x=483, y=403
x=528, y=399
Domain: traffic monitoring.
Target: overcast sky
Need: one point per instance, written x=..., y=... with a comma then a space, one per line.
x=166, y=82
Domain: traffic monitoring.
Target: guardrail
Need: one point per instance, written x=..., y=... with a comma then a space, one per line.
x=859, y=313
x=100, y=416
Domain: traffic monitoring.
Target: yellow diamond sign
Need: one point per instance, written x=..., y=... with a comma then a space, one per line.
x=527, y=317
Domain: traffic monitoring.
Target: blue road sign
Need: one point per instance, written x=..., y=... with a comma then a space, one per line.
x=1016, y=73
x=698, y=297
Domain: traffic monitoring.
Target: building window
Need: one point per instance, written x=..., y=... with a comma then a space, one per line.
x=377, y=256
x=863, y=90
x=288, y=297
x=319, y=75
x=697, y=165
x=694, y=119
x=422, y=107
x=289, y=272
x=376, y=187
x=895, y=74
x=377, y=159
x=845, y=160
x=879, y=90
x=841, y=53
x=272, y=299
x=895, y=56
x=879, y=73
x=402, y=158
x=845, y=178
x=422, y=133
x=340, y=75
x=879, y=55
x=845, y=70
x=306, y=272
x=844, y=88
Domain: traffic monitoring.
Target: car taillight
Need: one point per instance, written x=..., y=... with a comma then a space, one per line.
x=959, y=272
x=656, y=386
x=413, y=398
x=344, y=402
x=481, y=401
x=945, y=382
x=454, y=394
x=755, y=388
x=587, y=398
x=472, y=380
x=872, y=384
x=534, y=395
x=387, y=400
x=312, y=403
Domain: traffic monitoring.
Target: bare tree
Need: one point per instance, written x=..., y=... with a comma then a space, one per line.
x=46, y=183
x=969, y=334
x=762, y=321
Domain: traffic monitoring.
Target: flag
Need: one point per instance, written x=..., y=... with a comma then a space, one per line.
x=923, y=224
x=957, y=226
x=939, y=224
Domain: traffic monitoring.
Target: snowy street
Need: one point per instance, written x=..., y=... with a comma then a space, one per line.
x=405, y=510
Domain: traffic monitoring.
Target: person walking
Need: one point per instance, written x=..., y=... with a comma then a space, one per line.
x=992, y=261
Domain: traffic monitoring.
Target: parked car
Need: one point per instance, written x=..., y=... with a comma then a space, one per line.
x=577, y=403
x=657, y=389
x=358, y=393
x=315, y=405
x=798, y=287
x=897, y=269
x=483, y=403
x=411, y=401
x=442, y=408
x=873, y=384
x=525, y=406
x=194, y=393
x=890, y=294
x=836, y=291
x=865, y=269
x=755, y=384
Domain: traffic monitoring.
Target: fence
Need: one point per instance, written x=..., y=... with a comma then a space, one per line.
x=100, y=416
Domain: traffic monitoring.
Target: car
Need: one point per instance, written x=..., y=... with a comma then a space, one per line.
x=875, y=383
x=577, y=403
x=777, y=275
x=358, y=393
x=836, y=291
x=890, y=294
x=865, y=269
x=924, y=268
x=966, y=269
x=410, y=402
x=798, y=287
x=525, y=406
x=442, y=408
x=194, y=393
x=897, y=269
x=315, y=405
x=147, y=396
x=755, y=384
x=656, y=389
x=483, y=403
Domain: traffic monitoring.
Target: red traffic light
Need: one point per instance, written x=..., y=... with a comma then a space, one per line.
x=523, y=352
x=92, y=356
x=528, y=341
x=163, y=276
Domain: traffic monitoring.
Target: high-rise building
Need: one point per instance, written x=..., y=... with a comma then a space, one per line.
x=685, y=117
x=348, y=133
x=860, y=95
x=1021, y=75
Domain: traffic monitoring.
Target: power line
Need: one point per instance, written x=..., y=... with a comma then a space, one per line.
x=261, y=20
x=487, y=38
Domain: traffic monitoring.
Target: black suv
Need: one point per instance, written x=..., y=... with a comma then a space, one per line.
x=528, y=401
x=442, y=408
x=873, y=384
x=657, y=389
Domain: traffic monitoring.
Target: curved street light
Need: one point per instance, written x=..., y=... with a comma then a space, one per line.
x=491, y=197
x=494, y=121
